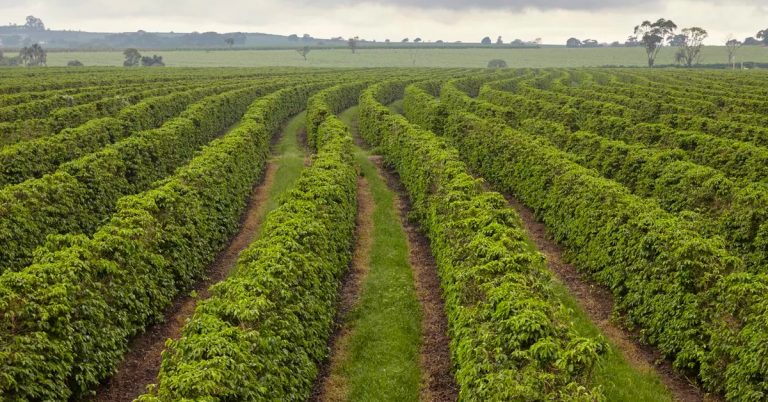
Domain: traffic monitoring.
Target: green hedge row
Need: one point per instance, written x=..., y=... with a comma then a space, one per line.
x=82, y=193
x=12, y=132
x=511, y=339
x=34, y=158
x=43, y=108
x=686, y=293
x=739, y=160
x=738, y=207
x=67, y=319
x=329, y=103
x=421, y=107
x=721, y=128
x=734, y=210
x=736, y=158
x=265, y=329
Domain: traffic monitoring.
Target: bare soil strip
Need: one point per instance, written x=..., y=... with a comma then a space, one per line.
x=141, y=364
x=597, y=301
x=331, y=385
x=438, y=382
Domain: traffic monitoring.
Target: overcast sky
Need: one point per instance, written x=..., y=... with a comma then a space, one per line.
x=451, y=20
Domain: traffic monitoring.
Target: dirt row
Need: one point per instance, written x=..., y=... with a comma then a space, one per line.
x=141, y=364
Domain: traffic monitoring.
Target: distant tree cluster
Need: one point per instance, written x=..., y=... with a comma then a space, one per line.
x=34, y=24
x=574, y=42
x=143, y=39
x=500, y=41
x=689, y=42
x=33, y=55
x=134, y=59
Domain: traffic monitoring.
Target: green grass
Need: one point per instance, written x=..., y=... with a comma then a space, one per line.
x=382, y=362
x=289, y=156
x=619, y=380
x=544, y=57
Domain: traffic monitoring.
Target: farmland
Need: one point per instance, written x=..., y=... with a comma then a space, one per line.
x=249, y=234
x=429, y=57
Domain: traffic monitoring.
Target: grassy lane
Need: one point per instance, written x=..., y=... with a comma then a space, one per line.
x=380, y=358
x=289, y=159
x=620, y=379
x=624, y=372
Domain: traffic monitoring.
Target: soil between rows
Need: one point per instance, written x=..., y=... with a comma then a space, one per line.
x=597, y=301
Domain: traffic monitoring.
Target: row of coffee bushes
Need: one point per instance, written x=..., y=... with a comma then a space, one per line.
x=69, y=117
x=78, y=196
x=36, y=157
x=67, y=319
x=682, y=290
x=264, y=331
x=511, y=339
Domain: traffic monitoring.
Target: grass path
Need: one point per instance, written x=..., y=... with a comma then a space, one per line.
x=376, y=355
x=290, y=158
x=142, y=362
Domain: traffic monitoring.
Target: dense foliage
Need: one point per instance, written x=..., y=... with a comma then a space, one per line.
x=681, y=245
x=511, y=339
x=118, y=188
x=264, y=331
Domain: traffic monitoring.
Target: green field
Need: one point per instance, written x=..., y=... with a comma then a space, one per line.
x=544, y=57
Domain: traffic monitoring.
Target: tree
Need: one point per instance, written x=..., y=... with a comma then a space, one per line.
x=405, y=40
x=693, y=40
x=35, y=24
x=304, y=52
x=497, y=63
x=751, y=41
x=763, y=35
x=732, y=45
x=573, y=42
x=74, y=63
x=417, y=40
x=590, y=43
x=293, y=38
x=306, y=38
x=653, y=36
x=677, y=40
x=352, y=44
x=132, y=57
x=230, y=42
x=632, y=42
x=33, y=55
x=154, y=61
x=486, y=41
x=499, y=41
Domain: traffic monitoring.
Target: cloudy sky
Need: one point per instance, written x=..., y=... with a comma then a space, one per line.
x=451, y=20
